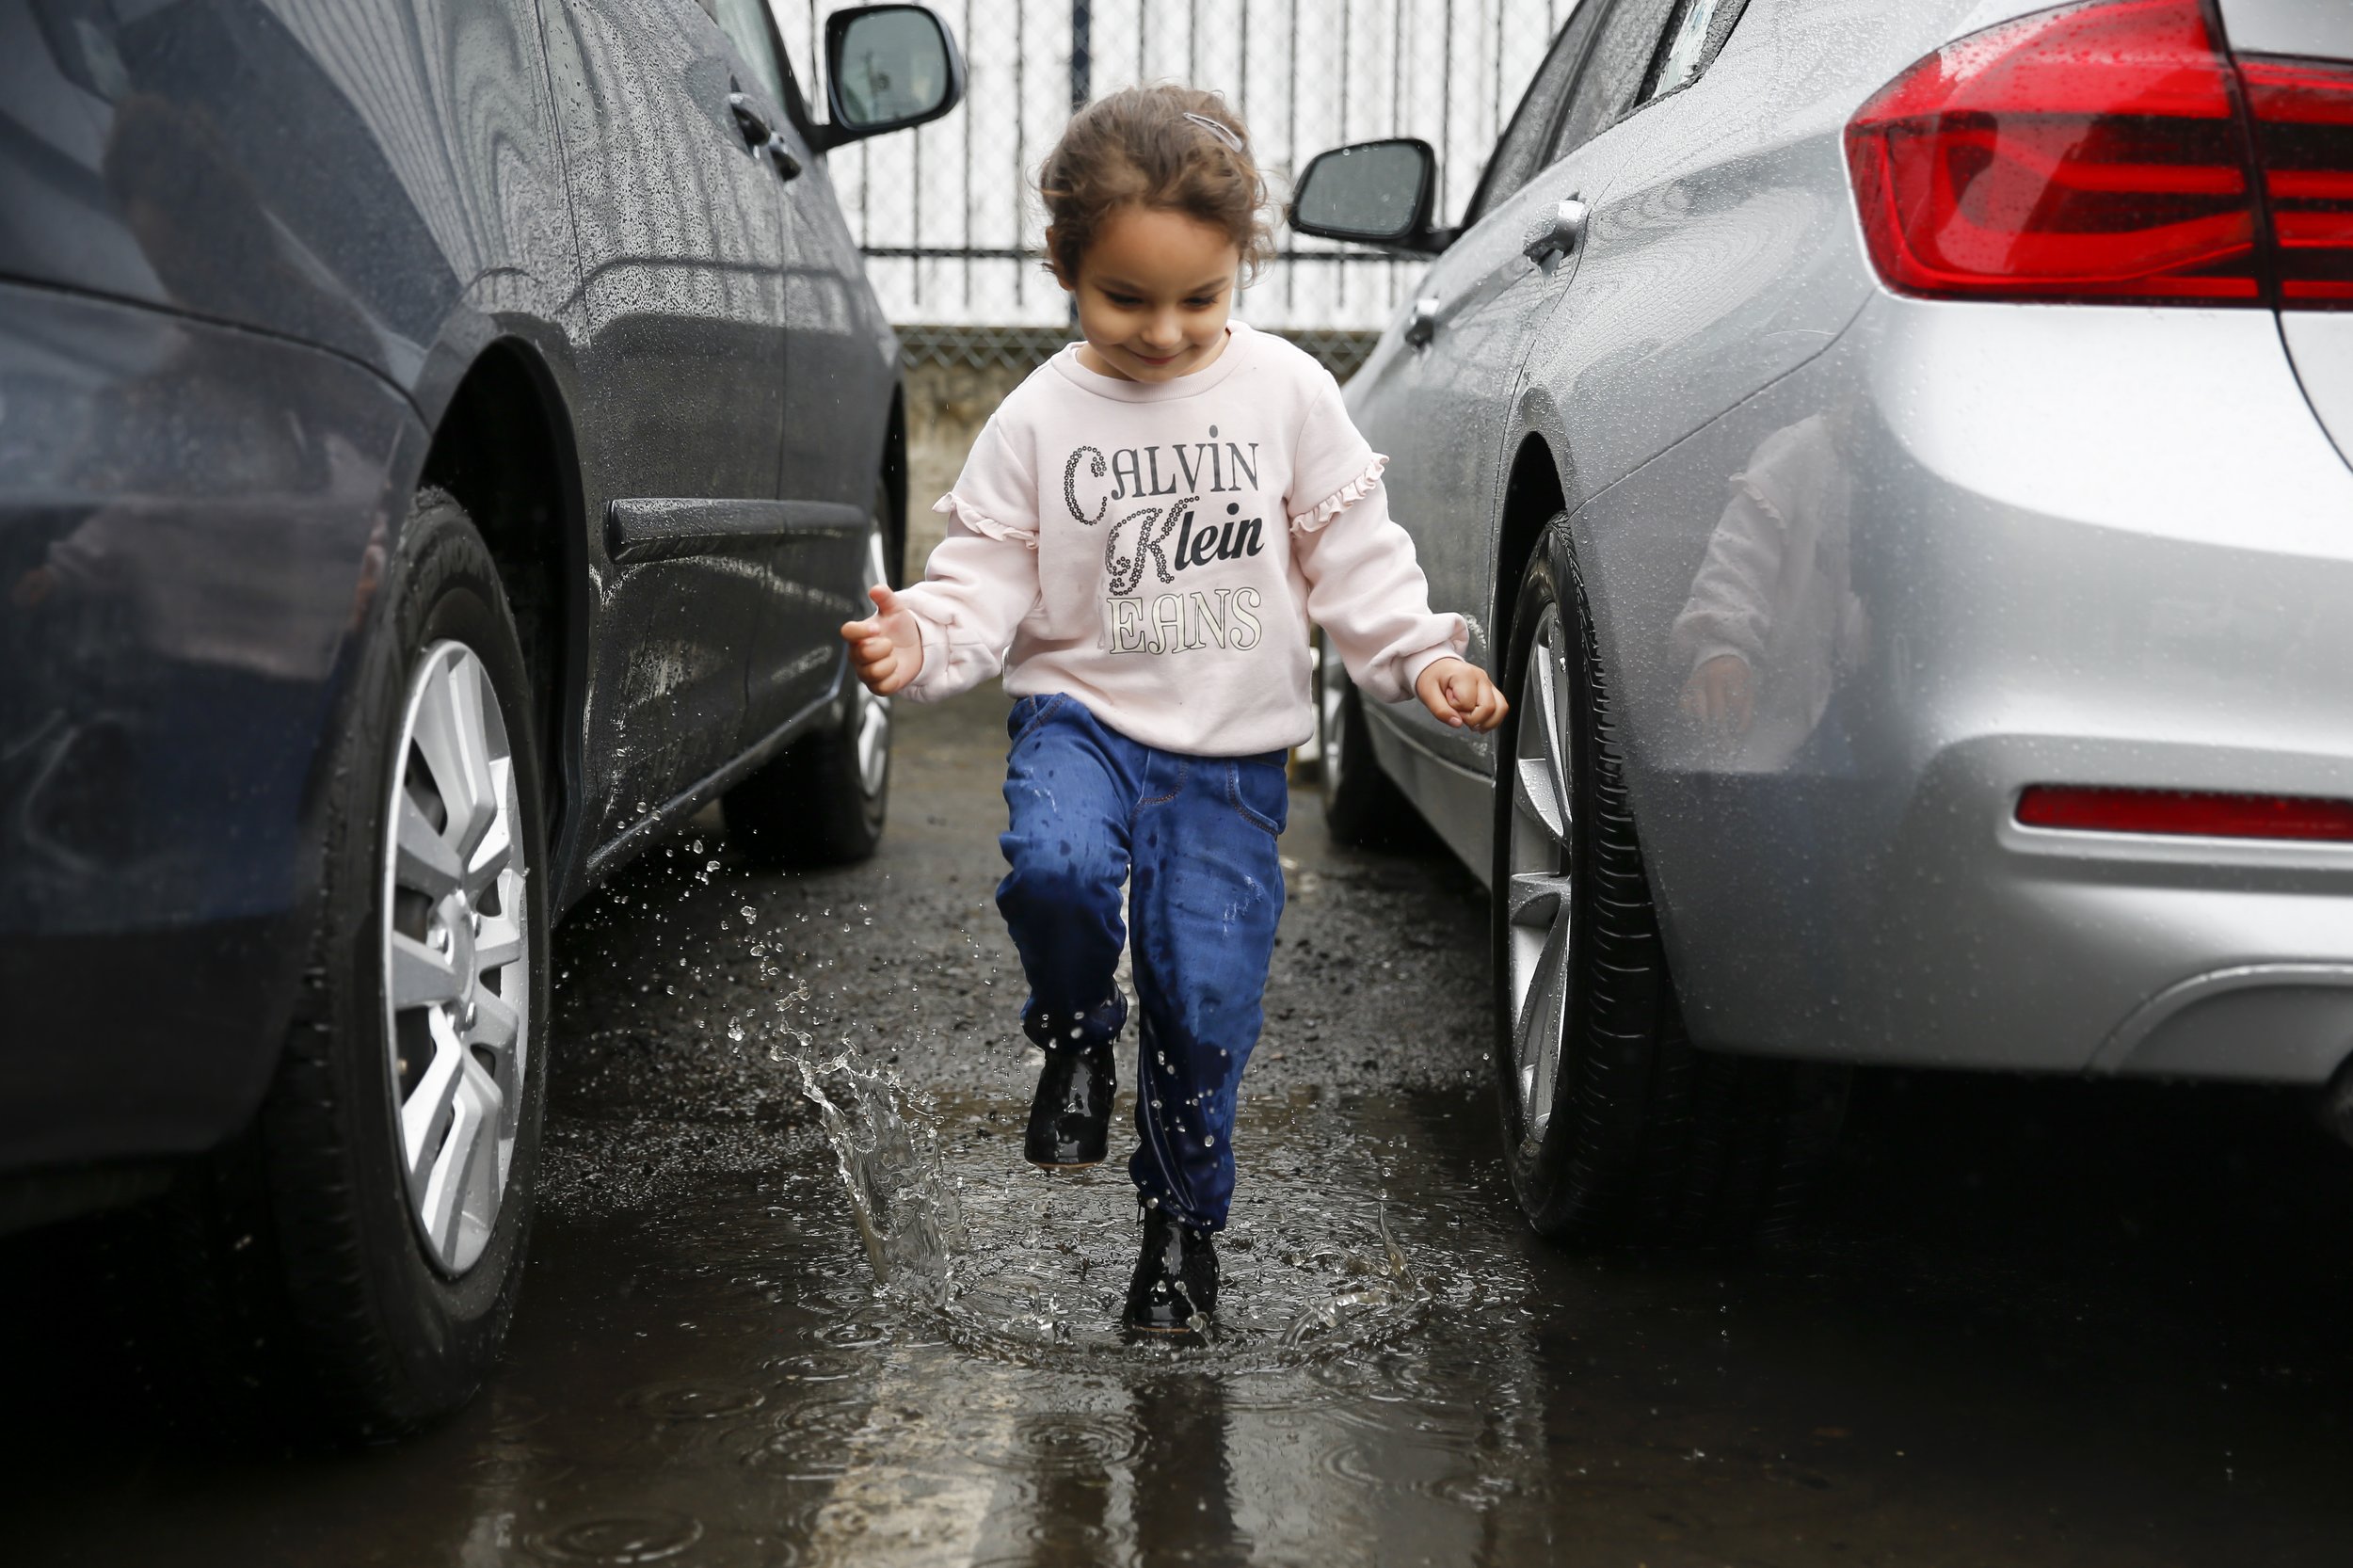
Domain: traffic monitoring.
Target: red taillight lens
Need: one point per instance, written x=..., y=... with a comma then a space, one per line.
x=2087, y=153
x=2186, y=812
x=2303, y=113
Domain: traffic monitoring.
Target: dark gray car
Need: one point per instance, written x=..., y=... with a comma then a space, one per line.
x=437, y=438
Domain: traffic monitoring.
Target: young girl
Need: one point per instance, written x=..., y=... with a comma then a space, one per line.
x=1140, y=538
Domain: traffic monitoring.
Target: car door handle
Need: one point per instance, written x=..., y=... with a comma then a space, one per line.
x=1422, y=323
x=787, y=165
x=1558, y=234
x=754, y=126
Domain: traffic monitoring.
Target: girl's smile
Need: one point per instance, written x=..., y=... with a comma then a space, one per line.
x=1154, y=292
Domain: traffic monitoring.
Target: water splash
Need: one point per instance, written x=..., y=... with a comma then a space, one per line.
x=1386, y=1286
x=885, y=1148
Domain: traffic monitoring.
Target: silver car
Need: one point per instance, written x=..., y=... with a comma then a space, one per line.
x=1895, y=457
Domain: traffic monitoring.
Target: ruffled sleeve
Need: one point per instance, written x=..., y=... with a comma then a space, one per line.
x=979, y=520
x=1333, y=466
x=981, y=579
x=994, y=496
x=1340, y=500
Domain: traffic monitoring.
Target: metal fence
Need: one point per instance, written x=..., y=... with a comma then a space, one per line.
x=949, y=215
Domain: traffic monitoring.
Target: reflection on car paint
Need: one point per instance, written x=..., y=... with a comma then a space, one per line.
x=1772, y=624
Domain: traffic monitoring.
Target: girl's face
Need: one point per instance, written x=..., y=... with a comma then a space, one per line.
x=1153, y=293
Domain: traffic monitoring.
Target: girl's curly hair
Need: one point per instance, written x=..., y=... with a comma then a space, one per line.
x=1148, y=147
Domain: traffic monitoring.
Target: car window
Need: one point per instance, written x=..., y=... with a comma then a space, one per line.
x=1699, y=31
x=1519, y=153
x=1615, y=70
x=747, y=25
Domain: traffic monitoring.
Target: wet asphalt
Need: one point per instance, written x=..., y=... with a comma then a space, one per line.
x=2029, y=1322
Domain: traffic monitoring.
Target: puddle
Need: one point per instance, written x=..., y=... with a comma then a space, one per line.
x=1008, y=1414
x=1005, y=1261
x=802, y=1303
x=718, y=1378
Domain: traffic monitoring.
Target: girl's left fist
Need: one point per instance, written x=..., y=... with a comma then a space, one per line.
x=1459, y=694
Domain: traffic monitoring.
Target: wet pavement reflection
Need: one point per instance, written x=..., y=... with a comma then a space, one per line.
x=2031, y=1323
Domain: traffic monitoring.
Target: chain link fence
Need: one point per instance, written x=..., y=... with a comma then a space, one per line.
x=948, y=217
x=1024, y=348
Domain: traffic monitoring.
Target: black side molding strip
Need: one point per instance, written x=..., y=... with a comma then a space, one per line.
x=656, y=528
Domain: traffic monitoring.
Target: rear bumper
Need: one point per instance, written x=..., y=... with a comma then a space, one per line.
x=186, y=515
x=2087, y=547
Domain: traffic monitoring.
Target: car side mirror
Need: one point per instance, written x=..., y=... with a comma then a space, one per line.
x=1373, y=193
x=888, y=68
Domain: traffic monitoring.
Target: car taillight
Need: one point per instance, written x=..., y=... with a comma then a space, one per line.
x=2100, y=152
x=2303, y=113
x=2195, y=813
x=2087, y=153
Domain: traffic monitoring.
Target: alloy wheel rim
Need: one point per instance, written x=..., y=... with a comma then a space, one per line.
x=456, y=948
x=1538, y=881
x=870, y=718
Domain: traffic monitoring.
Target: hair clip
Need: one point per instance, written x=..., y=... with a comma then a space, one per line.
x=1217, y=128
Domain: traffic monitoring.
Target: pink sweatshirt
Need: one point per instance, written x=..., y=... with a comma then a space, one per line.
x=1157, y=551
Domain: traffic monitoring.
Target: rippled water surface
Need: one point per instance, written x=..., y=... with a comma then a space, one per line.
x=794, y=1298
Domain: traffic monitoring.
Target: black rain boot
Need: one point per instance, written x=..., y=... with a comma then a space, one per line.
x=1072, y=1111
x=1176, y=1277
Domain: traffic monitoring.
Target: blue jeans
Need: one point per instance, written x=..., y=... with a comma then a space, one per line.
x=1193, y=838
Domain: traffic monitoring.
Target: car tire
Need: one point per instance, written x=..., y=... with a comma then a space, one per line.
x=824, y=800
x=1362, y=806
x=355, y=1256
x=1616, y=1128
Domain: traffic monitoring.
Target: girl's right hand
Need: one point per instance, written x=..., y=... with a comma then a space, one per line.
x=887, y=648
x=1721, y=696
